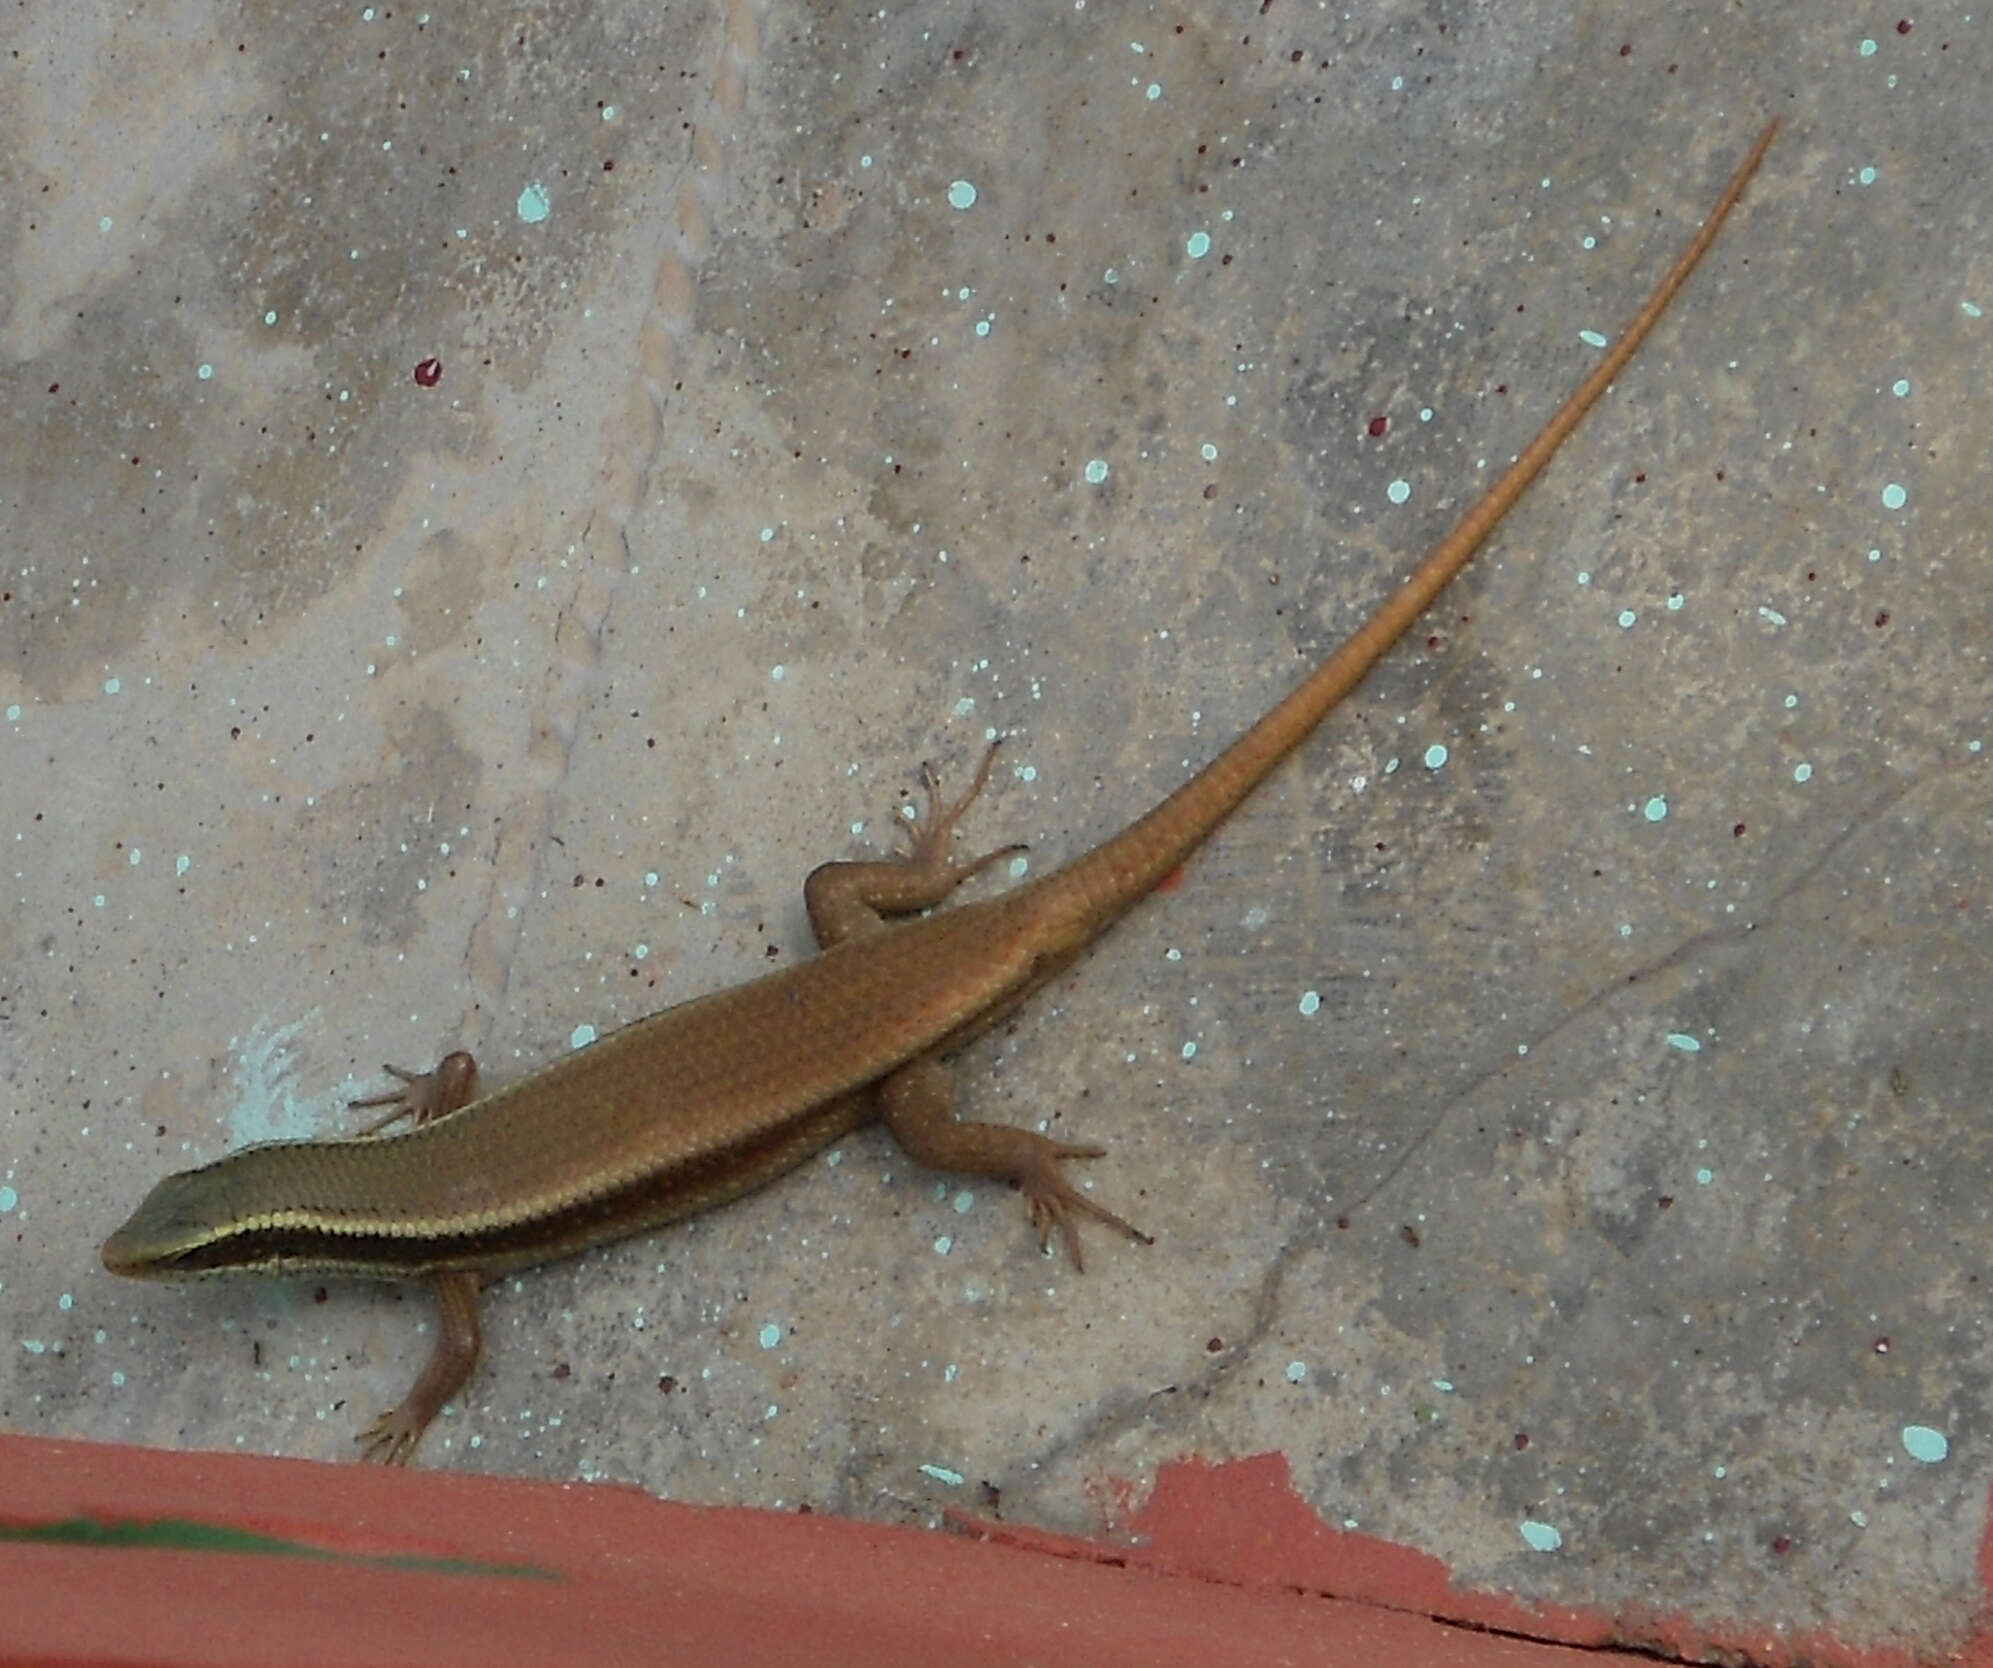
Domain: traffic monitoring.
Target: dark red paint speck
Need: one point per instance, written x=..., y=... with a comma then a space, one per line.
x=428, y=372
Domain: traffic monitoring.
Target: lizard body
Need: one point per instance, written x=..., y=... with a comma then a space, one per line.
x=693, y=1106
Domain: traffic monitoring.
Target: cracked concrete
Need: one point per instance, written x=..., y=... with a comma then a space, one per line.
x=491, y=497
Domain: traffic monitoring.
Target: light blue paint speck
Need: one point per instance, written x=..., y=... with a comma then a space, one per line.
x=34, y=1346
x=640, y=952
x=767, y=533
x=1656, y=809
x=964, y=705
x=1802, y=772
x=1111, y=276
x=1311, y=1003
x=1152, y=92
x=1865, y=176
x=1398, y=491
x=1208, y=452
x=1626, y=618
x=1771, y=616
x=1868, y=49
x=104, y=223
x=117, y=1381
x=778, y=673
x=1875, y=555
x=1190, y=1051
x=581, y=1036
x=953, y=1479
x=204, y=372
x=99, y=901
x=1588, y=242
x=533, y=204
x=961, y=195
x=1894, y=497
x=1970, y=309
x=1425, y=414
x=1435, y=755
x=1591, y=338
x=1297, y=1372
x=182, y=864
x=1924, y=1445
x=1704, y=1176
x=650, y=877
x=1198, y=245
x=963, y=1202
x=113, y=686
x=609, y=112
x=134, y=857
x=13, y=712
x=1686, y=1043
x=1584, y=576
x=1900, y=387
x=270, y=316
x=1096, y=471
x=1675, y=601
x=983, y=327
x=1859, y=1519
x=1791, y=701
x=1540, y=1537
x=9, y=1201
x=769, y=1336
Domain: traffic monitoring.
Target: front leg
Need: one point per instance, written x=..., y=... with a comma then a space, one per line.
x=392, y=1438
x=425, y=1095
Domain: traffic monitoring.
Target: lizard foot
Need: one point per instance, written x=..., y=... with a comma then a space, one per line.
x=1056, y=1204
x=425, y=1095
x=391, y=1438
x=928, y=836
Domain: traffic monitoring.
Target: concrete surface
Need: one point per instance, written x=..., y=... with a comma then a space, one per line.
x=1569, y=1154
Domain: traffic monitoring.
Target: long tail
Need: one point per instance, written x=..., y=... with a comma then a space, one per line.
x=1126, y=868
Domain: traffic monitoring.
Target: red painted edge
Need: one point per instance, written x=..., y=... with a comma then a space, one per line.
x=1241, y=1521
x=1227, y=1565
